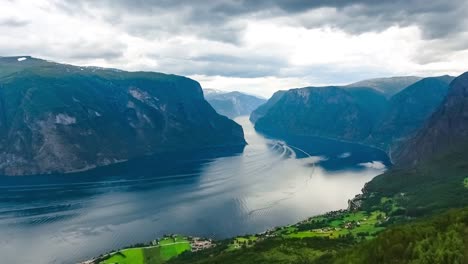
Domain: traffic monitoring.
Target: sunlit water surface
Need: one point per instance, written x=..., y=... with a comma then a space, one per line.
x=68, y=218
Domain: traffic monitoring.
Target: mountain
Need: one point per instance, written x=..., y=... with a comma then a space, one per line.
x=63, y=118
x=232, y=104
x=322, y=111
x=388, y=86
x=263, y=109
x=447, y=129
x=408, y=110
x=431, y=169
x=373, y=102
x=430, y=176
x=359, y=114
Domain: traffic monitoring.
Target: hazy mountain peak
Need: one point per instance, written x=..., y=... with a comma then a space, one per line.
x=232, y=104
x=388, y=85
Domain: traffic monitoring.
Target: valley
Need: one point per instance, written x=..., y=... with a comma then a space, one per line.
x=233, y=132
x=213, y=193
x=423, y=186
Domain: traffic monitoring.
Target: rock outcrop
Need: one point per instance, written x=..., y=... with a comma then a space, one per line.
x=64, y=118
x=445, y=132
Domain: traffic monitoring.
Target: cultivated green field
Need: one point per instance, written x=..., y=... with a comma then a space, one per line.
x=440, y=239
x=126, y=256
x=168, y=248
x=357, y=224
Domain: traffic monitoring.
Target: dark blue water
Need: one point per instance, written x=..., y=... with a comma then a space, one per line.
x=213, y=192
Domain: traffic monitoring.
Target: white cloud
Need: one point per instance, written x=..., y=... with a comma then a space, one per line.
x=248, y=52
x=262, y=86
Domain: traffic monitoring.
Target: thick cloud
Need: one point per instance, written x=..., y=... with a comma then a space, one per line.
x=436, y=18
x=289, y=42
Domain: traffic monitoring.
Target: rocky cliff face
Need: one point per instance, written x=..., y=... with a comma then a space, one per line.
x=358, y=114
x=63, y=118
x=233, y=104
x=263, y=109
x=320, y=111
x=432, y=166
x=445, y=132
x=408, y=110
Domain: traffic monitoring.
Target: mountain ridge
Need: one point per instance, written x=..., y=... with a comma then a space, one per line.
x=387, y=85
x=383, y=122
x=59, y=118
x=446, y=129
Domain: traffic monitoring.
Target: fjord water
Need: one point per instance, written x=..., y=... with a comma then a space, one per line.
x=213, y=193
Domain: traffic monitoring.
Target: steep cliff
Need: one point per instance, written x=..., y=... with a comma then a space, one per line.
x=63, y=118
x=408, y=110
x=320, y=111
x=263, y=109
x=447, y=129
x=359, y=114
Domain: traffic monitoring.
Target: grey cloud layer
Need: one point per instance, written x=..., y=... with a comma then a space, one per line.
x=13, y=22
x=222, y=24
x=437, y=18
x=225, y=21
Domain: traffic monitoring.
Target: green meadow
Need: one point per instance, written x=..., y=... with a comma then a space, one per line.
x=168, y=248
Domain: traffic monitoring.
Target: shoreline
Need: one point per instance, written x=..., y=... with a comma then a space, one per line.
x=268, y=231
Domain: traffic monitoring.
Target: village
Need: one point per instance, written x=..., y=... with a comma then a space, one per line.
x=196, y=243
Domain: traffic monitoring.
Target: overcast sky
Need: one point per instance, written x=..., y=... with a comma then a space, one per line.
x=257, y=46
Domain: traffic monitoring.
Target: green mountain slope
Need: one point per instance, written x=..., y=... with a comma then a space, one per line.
x=263, y=109
x=440, y=239
x=322, y=111
x=408, y=110
x=447, y=129
x=432, y=167
x=63, y=118
x=358, y=114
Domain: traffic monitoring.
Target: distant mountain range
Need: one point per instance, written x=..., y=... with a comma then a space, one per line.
x=63, y=118
x=354, y=113
x=232, y=104
x=388, y=86
x=431, y=171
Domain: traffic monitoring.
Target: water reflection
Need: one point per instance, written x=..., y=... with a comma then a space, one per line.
x=206, y=193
